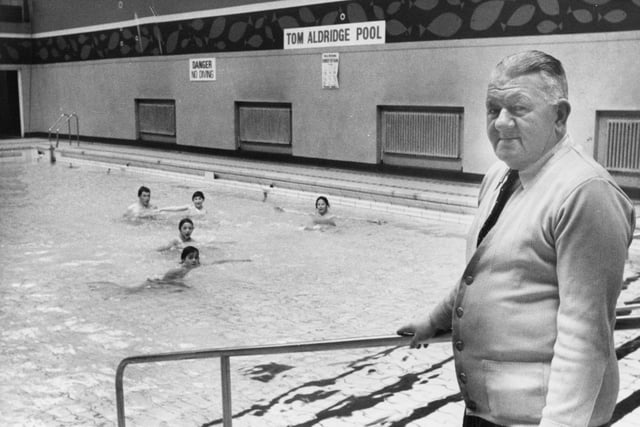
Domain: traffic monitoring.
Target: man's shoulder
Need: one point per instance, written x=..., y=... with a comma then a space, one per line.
x=576, y=167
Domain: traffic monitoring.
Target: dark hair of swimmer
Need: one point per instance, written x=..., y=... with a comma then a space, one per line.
x=182, y=221
x=143, y=189
x=197, y=194
x=326, y=202
x=187, y=251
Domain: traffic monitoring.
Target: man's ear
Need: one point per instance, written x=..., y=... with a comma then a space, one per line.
x=562, y=112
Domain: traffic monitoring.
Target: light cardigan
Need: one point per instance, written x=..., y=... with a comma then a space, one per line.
x=534, y=311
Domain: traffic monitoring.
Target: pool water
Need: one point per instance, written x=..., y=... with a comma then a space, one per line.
x=69, y=262
x=71, y=266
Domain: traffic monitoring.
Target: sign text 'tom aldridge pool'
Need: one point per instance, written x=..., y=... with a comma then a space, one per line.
x=360, y=33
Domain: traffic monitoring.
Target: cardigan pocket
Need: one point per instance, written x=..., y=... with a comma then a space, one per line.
x=516, y=391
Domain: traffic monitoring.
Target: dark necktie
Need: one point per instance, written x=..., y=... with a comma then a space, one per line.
x=508, y=186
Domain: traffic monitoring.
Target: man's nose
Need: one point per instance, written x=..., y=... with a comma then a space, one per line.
x=504, y=120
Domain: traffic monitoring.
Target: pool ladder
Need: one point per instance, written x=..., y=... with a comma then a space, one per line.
x=65, y=117
x=623, y=321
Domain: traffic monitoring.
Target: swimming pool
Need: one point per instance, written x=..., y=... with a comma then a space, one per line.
x=69, y=260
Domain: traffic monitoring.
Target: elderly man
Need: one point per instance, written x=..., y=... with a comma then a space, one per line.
x=533, y=314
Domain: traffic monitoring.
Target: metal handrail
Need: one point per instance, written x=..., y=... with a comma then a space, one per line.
x=626, y=309
x=62, y=115
x=68, y=118
x=226, y=353
x=623, y=321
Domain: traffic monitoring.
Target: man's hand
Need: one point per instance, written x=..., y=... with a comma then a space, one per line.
x=419, y=330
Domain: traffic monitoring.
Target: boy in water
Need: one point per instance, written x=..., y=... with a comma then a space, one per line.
x=194, y=209
x=143, y=207
x=189, y=259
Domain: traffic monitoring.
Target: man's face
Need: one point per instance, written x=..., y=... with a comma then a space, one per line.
x=521, y=124
x=145, y=197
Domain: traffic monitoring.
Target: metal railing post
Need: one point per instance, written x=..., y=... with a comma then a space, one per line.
x=120, y=393
x=77, y=128
x=225, y=374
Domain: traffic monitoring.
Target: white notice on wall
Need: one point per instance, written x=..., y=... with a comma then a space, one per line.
x=202, y=69
x=330, y=65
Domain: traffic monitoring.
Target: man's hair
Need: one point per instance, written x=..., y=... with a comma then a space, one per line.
x=326, y=201
x=532, y=62
x=182, y=221
x=188, y=250
x=198, y=194
x=143, y=189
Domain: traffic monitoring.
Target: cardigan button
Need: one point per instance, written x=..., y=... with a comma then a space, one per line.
x=459, y=345
x=459, y=311
x=468, y=279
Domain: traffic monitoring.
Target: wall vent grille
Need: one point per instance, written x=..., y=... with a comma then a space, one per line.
x=264, y=124
x=156, y=120
x=422, y=133
x=623, y=145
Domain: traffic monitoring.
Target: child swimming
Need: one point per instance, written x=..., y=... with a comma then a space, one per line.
x=189, y=259
x=185, y=228
x=196, y=207
x=322, y=218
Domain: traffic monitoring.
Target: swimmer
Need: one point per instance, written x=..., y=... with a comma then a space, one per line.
x=189, y=259
x=143, y=207
x=322, y=217
x=194, y=209
x=185, y=228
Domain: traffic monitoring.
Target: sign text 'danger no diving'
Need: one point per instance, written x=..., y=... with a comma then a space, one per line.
x=202, y=69
x=360, y=33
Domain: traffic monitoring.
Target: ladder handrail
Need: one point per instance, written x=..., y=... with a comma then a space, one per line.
x=55, y=123
x=68, y=118
x=226, y=353
x=72, y=115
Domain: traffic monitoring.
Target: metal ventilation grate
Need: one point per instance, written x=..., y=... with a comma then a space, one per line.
x=156, y=120
x=623, y=145
x=422, y=133
x=266, y=124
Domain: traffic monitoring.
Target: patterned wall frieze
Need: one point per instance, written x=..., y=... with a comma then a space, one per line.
x=406, y=21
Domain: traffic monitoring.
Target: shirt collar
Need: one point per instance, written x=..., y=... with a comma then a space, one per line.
x=528, y=175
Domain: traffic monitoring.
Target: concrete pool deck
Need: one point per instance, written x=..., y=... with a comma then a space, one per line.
x=351, y=389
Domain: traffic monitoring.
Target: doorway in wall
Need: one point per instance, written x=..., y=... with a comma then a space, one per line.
x=9, y=104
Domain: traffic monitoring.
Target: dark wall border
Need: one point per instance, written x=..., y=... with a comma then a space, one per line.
x=407, y=21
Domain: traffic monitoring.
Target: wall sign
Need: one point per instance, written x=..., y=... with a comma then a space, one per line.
x=202, y=69
x=330, y=66
x=360, y=33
